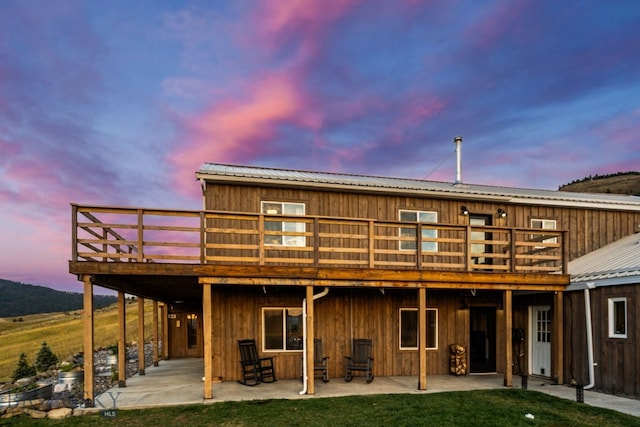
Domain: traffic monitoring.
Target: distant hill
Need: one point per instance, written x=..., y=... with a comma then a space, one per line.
x=18, y=299
x=618, y=183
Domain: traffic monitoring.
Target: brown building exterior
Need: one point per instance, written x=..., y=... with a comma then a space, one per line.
x=285, y=257
x=603, y=332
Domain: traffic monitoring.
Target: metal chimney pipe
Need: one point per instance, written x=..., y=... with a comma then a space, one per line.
x=458, y=141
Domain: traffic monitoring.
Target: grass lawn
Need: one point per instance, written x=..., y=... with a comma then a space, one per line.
x=502, y=407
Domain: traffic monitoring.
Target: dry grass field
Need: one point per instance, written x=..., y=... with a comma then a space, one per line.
x=63, y=332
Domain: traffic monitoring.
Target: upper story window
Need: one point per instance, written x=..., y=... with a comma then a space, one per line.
x=545, y=224
x=409, y=329
x=418, y=216
x=282, y=329
x=276, y=231
x=618, y=317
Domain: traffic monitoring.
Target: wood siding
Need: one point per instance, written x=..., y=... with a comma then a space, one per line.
x=589, y=229
x=618, y=359
x=340, y=316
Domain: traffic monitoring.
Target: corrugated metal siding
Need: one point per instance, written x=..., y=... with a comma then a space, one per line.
x=215, y=171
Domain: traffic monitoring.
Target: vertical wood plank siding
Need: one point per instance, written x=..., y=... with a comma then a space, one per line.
x=589, y=229
x=340, y=316
x=618, y=359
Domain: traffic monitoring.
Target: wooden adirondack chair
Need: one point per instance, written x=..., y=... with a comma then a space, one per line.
x=360, y=360
x=255, y=369
x=320, y=362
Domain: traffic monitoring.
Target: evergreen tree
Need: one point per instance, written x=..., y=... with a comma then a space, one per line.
x=24, y=369
x=45, y=358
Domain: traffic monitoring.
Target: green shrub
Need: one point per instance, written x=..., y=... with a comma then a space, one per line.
x=45, y=358
x=24, y=369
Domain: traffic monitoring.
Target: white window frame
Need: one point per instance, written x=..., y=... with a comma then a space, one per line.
x=284, y=208
x=545, y=224
x=434, y=332
x=429, y=217
x=614, y=332
x=286, y=336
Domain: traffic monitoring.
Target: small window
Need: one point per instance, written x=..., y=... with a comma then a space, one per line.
x=409, y=329
x=545, y=224
x=282, y=329
x=422, y=217
x=618, y=317
x=192, y=330
x=274, y=230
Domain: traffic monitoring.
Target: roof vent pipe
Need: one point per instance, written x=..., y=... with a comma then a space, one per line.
x=458, y=141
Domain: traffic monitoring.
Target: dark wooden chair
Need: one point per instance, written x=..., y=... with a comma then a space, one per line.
x=320, y=362
x=255, y=369
x=360, y=360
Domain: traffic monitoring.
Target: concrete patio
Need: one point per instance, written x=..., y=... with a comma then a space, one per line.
x=179, y=382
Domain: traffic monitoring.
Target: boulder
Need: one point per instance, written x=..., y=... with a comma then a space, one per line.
x=60, y=413
x=34, y=413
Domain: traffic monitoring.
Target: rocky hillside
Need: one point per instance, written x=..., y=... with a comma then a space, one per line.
x=618, y=183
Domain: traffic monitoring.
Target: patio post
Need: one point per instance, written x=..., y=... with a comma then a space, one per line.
x=558, y=341
x=87, y=315
x=207, y=330
x=122, y=340
x=309, y=338
x=141, y=363
x=422, y=338
x=508, y=346
x=155, y=333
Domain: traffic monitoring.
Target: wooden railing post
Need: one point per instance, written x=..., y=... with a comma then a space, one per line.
x=261, y=239
x=140, y=257
x=316, y=242
x=372, y=244
x=74, y=232
x=467, y=261
x=512, y=251
x=565, y=252
x=203, y=238
x=419, y=246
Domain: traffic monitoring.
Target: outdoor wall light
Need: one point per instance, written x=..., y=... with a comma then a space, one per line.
x=502, y=213
x=464, y=210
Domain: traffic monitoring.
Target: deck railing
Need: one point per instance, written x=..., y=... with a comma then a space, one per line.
x=106, y=234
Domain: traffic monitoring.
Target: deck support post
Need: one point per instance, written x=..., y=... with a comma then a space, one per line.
x=309, y=338
x=122, y=340
x=156, y=335
x=207, y=330
x=558, y=338
x=164, y=321
x=141, y=361
x=87, y=317
x=508, y=346
x=422, y=338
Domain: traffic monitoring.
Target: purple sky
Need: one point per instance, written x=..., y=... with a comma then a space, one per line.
x=119, y=102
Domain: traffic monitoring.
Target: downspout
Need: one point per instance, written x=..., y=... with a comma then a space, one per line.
x=305, y=375
x=587, y=311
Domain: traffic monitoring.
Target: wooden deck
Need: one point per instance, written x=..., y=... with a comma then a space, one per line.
x=136, y=235
x=168, y=254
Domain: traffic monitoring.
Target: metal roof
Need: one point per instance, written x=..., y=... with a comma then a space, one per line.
x=299, y=178
x=614, y=264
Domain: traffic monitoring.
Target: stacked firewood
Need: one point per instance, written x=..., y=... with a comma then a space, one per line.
x=458, y=359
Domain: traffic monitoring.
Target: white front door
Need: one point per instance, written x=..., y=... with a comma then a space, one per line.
x=540, y=341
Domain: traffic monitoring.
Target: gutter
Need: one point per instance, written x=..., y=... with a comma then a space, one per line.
x=305, y=373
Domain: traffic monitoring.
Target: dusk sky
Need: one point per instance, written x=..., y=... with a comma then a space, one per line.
x=120, y=102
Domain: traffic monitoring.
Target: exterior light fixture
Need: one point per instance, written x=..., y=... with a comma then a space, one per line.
x=464, y=210
x=502, y=213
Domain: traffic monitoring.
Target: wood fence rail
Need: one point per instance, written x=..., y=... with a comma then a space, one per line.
x=112, y=234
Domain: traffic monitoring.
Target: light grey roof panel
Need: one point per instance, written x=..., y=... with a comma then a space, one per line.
x=620, y=259
x=285, y=177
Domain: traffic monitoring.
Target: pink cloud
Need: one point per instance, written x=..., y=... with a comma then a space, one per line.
x=236, y=129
